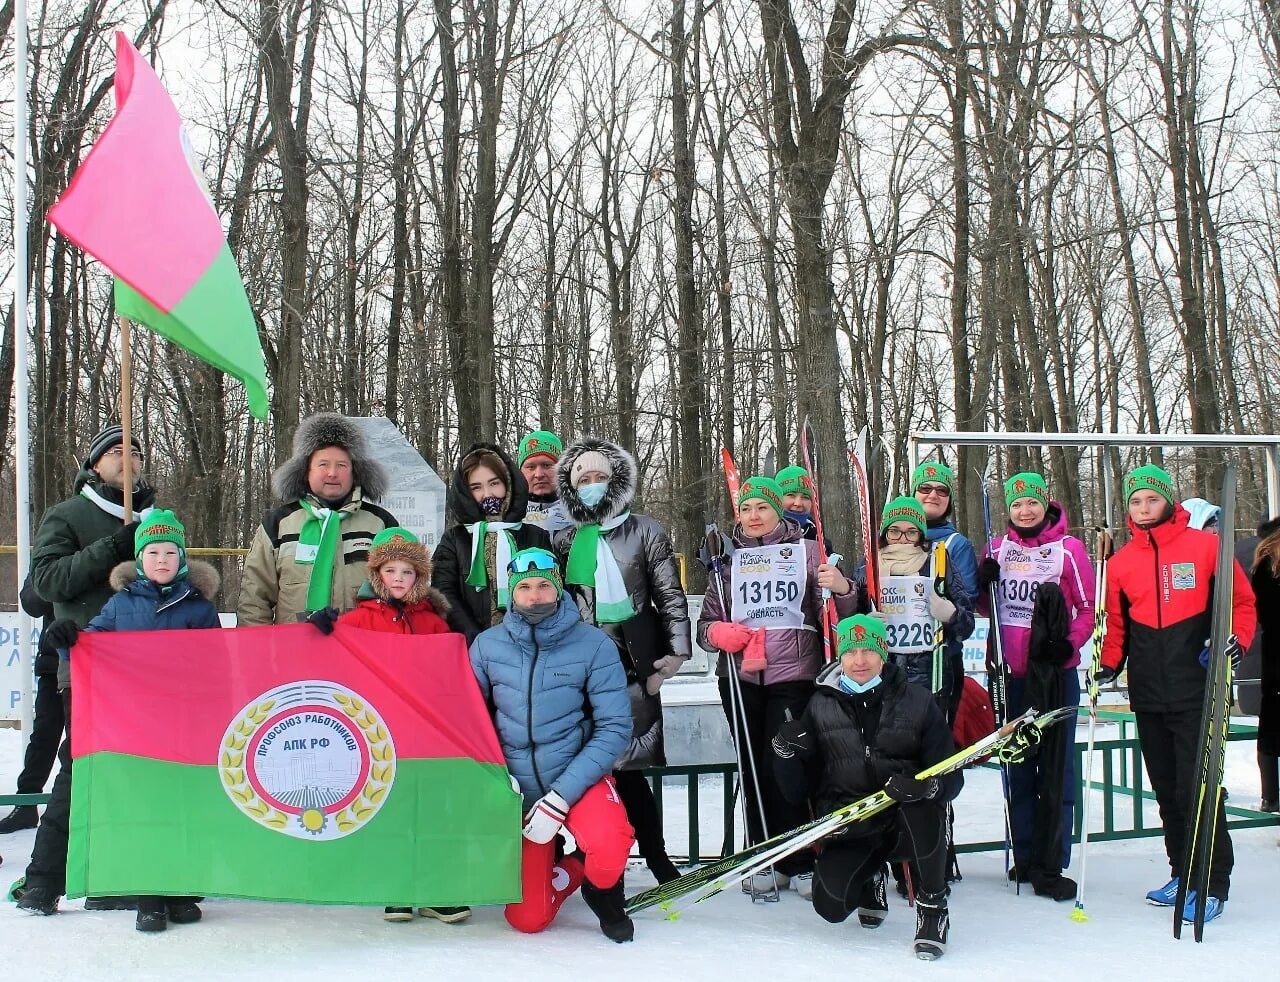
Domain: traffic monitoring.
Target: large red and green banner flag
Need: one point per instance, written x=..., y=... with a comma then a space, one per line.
x=279, y=764
x=139, y=206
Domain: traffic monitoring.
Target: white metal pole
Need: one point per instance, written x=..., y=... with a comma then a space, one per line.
x=22, y=435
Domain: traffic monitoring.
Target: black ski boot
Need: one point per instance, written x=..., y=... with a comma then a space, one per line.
x=153, y=915
x=1055, y=886
x=1019, y=874
x=22, y=817
x=873, y=907
x=38, y=900
x=183, y=910
x=111, y=903
x=932, y=926
x=609, y=906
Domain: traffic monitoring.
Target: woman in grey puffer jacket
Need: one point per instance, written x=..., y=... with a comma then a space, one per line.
x=621, y=569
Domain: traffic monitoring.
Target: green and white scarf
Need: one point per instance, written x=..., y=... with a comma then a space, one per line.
x=592, y=563
x=318, y=547
x=478, y=575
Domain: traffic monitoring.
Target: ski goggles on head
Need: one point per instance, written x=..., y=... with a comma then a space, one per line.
x=532, y=560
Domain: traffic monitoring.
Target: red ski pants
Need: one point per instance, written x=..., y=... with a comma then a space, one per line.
x=598, y=822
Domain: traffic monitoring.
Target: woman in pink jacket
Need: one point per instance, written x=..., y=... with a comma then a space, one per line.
x=769, y=630
x=1044, y=586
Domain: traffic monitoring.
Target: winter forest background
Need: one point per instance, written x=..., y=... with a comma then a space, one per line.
x=683, y=224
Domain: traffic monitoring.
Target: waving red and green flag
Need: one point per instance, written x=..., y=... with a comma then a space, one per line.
x=138, y=205
x=278, y=764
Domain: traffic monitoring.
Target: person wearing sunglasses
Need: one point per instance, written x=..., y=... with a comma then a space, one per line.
x=558, y=696
x=487, y=501
x=933, y=484
x=1044, y=597
x=620, y=568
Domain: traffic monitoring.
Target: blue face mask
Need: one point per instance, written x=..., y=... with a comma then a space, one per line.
x=592, y=494
x=799, y=517
x=855, y=687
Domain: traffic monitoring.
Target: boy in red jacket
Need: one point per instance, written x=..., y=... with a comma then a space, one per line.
x=1159, y=596
x=398, y=599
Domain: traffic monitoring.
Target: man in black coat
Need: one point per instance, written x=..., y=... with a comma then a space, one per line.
x=866, y=728
x=79, y=542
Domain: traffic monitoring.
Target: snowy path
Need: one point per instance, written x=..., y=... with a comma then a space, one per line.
x=994, y=932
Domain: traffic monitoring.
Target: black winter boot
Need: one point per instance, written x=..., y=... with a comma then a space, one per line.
x=932, y=926
x=183, y=910
x=1054, y=886
x=22, y=817
x=153, y=915
x=111, y=903
x=609, y=906
x=38, y=900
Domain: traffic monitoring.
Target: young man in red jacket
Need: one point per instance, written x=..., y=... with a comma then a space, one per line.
x=1159, y=595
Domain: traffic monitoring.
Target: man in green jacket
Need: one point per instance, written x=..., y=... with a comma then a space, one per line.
x=79, y=541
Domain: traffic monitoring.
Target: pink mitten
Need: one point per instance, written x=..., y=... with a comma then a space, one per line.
x=753, y=659
x=728, y=636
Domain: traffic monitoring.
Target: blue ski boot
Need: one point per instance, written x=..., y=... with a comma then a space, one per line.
x=1167, y=895
x=1212, y=908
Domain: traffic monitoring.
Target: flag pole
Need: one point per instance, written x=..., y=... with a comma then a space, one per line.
x=126, y=415
x=21, y=400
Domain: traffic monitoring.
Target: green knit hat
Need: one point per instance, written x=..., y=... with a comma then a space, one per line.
x=1152, y=478
x=539, y=442
x=160, y=525
x=764, y=489
x=904, y=509
x=794, y=480
x=862, y=631
x=530, y=563
x=933, y=472
x=1026, y=485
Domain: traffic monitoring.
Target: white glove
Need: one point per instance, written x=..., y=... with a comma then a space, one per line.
x=545, y=818
x=942, y=609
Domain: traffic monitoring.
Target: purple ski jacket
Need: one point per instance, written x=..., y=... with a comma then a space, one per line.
x=792, y=655
x=1077, y=583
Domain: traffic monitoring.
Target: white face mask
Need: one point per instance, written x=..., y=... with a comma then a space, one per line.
x=592, y=494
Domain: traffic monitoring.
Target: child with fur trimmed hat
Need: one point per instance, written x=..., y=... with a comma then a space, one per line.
x=398, y=599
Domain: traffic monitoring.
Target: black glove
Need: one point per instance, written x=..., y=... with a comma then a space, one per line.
x=907, y=790
x=1097, y=678
x=60, y=634
x=1232, y=651
x=793, y=738
x=123, y=539
x=323, y=619
x=1023, y=747
x=988, y=573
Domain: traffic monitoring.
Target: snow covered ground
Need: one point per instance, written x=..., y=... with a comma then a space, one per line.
x=994, y=933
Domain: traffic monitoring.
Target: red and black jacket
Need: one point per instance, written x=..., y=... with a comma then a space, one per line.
x=1159, y=594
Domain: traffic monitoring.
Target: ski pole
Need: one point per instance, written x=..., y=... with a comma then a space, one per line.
x=713, y=546
x=1099, y=632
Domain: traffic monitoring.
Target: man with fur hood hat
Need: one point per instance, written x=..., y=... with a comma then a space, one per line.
x=621, y=570
x=309, y=553
x=487, y=500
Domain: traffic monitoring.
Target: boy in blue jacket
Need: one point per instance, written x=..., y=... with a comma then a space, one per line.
x=158, y=591
x=559, y=700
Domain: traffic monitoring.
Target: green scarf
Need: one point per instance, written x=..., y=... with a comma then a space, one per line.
x=592, y=564
x=317, y=548
x=478, y=575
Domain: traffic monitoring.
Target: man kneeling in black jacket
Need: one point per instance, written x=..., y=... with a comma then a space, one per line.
x=865, y=729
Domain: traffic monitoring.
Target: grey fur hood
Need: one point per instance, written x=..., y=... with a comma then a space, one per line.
x=200, y=575
x=289, y=482
x=622, y=483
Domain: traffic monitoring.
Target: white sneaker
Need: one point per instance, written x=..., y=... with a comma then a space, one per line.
x=803, y=882
x=765, y=882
